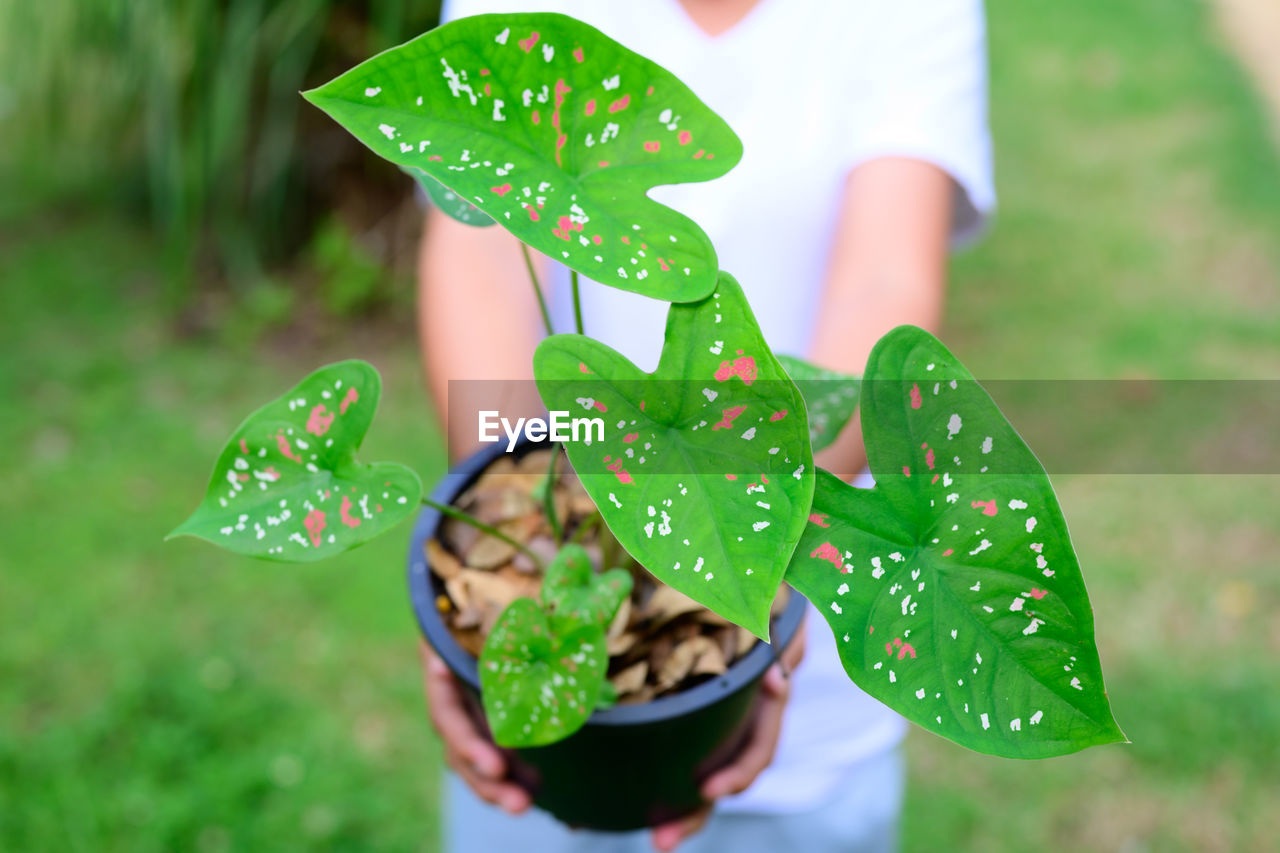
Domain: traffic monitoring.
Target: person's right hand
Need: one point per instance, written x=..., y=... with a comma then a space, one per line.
x=468, y=752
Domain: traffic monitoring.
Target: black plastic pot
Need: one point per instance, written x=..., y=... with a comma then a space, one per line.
x=631, y=766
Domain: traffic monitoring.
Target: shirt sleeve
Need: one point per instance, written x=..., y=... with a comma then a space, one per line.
x=922, y=93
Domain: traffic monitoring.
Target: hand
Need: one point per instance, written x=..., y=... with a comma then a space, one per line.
x=468, y=752
x=775, y=690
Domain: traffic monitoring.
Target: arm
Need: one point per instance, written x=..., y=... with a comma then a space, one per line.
x=887, y=268
x=478, y=320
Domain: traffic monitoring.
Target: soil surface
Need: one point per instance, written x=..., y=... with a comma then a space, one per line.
x=660, y=642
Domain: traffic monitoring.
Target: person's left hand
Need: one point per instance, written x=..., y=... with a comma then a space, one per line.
x=756, y=755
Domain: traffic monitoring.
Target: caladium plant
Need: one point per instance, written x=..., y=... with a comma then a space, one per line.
x=951, y=587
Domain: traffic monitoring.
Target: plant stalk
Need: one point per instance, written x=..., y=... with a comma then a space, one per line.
x=487, y=529
x=537, y=289
x=577, y=301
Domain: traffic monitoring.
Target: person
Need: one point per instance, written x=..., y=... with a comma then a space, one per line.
x=866, y=154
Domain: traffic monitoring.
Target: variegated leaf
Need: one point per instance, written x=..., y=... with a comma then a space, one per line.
x=704, y=473
x=555, y=131
x=287, y=485
x=830, y=398
x=952, y=586
x=537, y=685
x=573, y=592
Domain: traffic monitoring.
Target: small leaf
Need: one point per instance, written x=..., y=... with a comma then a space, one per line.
x=450, y=203
x=705, y=474
x=952, y=586
x=575, y=594
x=539, y=686
x=555, y=131
x=287, y=485
x=831, y=398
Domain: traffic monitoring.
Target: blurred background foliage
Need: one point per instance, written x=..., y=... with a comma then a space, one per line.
x=181, y=239
x=187, y=116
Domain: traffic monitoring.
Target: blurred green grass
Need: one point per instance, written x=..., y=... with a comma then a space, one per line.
x=166, y=696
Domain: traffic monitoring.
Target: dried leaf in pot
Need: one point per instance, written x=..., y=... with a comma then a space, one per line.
x=711, y=660
x=631, y=679
x=490, y=552
x=621, y=645
x=667, y=603
x=544, y=546
x=442, y=561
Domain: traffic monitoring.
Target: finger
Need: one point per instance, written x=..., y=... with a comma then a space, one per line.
x=449, y=716
x=509, y=797
x=667, y=836
x=760, y=748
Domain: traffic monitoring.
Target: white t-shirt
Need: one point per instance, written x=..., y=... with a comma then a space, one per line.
x=813, y=88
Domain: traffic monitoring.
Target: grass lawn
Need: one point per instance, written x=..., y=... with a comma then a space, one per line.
x=167, y=696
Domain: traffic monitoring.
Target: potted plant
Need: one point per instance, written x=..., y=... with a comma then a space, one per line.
x=952, y=587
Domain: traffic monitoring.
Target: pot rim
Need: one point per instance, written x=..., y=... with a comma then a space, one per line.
x=746, y=669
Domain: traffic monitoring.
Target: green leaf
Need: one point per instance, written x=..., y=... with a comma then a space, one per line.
x=574, y=593
x=952, y=586
x=287, y=485
x=539, y=686
x=450, y=203
x=555, y=131
x=830, y=398
x=704, y=474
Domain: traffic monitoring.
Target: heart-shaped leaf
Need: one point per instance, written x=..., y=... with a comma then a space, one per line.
x=704, y=474
x=539, y=686
x=952, y=585
x=287, y=485
x=575, y=594
x=557, y=132
x=830, y=398
x=450, y=203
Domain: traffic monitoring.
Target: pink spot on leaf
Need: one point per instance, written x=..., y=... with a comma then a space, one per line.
x=600, y=406
x=827, y=551
x=590, y=108
x=726, y=420
x=577, y=53
x=948, y=552
x=652, y=146
x=345, y=513
x=744, y=368
x=928, y=458
x=616, y=468
x=820, y=519
x=502, y=190
x=778, y=415
x=582, y=367
x=527, y=44
x=620, y=104
x=916, y=400
x=684, y=137
x=282, y=444
x=535, y=117
x=987, y=507
x=731, y=477
x=630, y=437
x=244, y=448
x=564, y=226
x=698, y=156
x=1038, y=594
x=319, y=421
x=597, y=239
x=352, y=397
x=314, y=522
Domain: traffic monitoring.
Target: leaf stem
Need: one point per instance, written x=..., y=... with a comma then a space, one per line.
x=487, y=529
x=577, y=301
x=537, y=289
x=549, y=496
